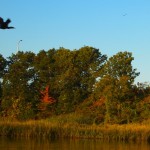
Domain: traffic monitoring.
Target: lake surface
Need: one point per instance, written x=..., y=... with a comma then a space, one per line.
x=73, y=144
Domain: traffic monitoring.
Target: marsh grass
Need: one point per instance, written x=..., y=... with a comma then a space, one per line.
x=68, y=127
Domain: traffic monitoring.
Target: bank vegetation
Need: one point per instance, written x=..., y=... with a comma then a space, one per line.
x=98, y=93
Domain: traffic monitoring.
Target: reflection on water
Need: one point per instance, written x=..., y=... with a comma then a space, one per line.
x=73, y=144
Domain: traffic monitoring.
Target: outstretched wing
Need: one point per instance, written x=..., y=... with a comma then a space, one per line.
x=8, y=21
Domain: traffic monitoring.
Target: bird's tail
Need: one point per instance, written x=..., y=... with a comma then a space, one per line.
x=11, y=27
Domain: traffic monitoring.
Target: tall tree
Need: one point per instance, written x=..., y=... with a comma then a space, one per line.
x=17, y=81
x=115, y=85
x=77, y=72
x=3, y=64
x=44, y=67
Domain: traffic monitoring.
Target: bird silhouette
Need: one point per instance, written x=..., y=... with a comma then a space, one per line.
x=4, y=24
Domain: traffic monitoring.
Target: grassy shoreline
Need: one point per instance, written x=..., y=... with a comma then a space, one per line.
x=53, y=130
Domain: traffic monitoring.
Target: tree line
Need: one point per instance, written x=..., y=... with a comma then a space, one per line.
x=61, y=81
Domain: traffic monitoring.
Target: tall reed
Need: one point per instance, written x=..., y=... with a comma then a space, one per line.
x=52, y=129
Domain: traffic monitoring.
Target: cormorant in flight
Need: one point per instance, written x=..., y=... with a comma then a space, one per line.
x=4, y=25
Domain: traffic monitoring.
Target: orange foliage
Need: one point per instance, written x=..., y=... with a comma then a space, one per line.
x=45, y=96
x=146, y=100
x=98, y=103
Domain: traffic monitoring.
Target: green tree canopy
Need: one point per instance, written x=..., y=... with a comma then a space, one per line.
x=17, y=81
x=115, y=84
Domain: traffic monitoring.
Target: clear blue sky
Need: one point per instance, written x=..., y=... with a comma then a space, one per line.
x=110, y=25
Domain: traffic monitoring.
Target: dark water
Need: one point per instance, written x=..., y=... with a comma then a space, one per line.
x=77, y=144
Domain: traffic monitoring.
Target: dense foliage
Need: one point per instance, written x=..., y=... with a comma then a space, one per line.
x=60, y=81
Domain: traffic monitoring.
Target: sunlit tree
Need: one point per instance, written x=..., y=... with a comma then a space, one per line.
x=115, y=84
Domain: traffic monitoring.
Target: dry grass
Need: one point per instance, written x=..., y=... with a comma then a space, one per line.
x=59, y=128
